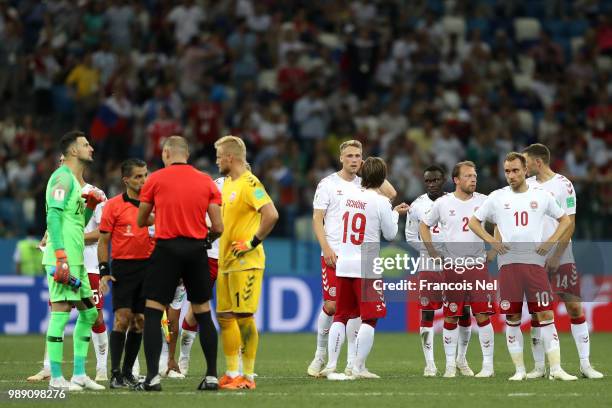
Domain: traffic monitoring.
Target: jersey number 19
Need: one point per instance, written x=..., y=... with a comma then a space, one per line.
x=358, y=225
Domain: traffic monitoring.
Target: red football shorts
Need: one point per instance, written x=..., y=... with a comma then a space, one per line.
x=429, y=297
x=517, y=281
x=359, y=297
x=565, y=280
x=328, y=281
x=479, y=298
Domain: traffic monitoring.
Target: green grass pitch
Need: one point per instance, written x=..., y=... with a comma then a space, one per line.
x=282, y=380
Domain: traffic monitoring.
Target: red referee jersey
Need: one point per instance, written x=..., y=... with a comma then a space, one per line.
x=128, y=240
x=181, y=195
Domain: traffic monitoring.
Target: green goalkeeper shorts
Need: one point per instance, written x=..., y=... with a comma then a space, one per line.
x=58, y=292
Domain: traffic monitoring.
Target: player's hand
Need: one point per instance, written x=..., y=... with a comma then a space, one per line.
x=402, y=208
x=241, y=247
x=552, y=263
x=207, y=242
x=499, y=247
x=491, y=255
x=329, y=256
x=92, y=199
x=173, y=366
x=43, y=242
x=62, y=269
x=544, y=248
x=104, y=288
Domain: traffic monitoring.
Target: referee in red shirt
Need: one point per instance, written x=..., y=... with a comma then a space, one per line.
x=131, y=248
x=181, y=196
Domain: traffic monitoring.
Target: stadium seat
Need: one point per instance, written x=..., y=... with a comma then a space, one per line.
x=556, y=28
x=526, y=29
x=453, y=24
x=525, y=121
x=578, y=27
x=522, y=82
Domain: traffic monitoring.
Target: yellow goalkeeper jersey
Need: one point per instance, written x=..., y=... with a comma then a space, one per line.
x=241, y=200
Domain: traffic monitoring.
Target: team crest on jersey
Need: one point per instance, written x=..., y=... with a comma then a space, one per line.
x=59, y=194
x=506, y=206
x=332, y=291
x=453, y=307
x=505, y=304
x=424, y=301
x=534, y=205
x=452, y=213
x=232, y=196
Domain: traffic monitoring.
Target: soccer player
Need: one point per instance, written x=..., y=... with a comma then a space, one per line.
x=559, y=262
x=168, y=366
x=434, y=177
x=131, y=248
x=67, y=215
x=365, y=214
x=249, y=215
x=90, y=258
x=326, y=221
x=190, y=325
x=181, y=196
x=452, y=213
x=519, y=212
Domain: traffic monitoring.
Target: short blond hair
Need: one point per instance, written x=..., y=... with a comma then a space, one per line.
x=177, y=144
x=232, y=145
x=350, y=143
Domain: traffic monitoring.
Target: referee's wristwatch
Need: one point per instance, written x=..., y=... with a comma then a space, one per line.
x=104, y=269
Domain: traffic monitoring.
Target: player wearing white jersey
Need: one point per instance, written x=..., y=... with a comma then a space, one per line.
x=560, y=261
x=519, y=212
x=90, y=260
x=190, y=325
x=466, y=252
x=434, y=178
x=365, y=213
x=326, y=222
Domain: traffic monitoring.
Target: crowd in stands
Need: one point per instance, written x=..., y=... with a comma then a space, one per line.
x=418, y=82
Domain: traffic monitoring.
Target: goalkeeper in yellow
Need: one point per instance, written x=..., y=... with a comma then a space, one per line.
x=248, y=216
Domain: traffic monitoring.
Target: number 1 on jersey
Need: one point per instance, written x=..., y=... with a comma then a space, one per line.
x=358, y=224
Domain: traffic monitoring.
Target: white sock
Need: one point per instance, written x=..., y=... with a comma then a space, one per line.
x=537, y=348
x=46, y=365
x=363, y=345
x=136, y=368
x=323, y=324
x=163, y=357
x=550, y=338
x=100, y=341
x=583, y=342
x=427, y=343
x=450, y=338
x=514, y=341
x=187, y=338
x=337, y=334
x=487, y=343
x=464, y=340
x=352, y=328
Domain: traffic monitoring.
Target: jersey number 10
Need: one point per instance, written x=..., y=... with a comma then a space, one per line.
x=358, y=225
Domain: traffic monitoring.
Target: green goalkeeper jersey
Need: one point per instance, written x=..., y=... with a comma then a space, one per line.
x=64, y=193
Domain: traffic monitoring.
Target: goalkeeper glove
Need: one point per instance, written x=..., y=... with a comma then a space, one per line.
x=62, y=269
x=92, y=199
x=241, y=247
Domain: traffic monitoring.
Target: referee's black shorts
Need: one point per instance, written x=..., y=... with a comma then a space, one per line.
x=129, y=277
x=172, y=260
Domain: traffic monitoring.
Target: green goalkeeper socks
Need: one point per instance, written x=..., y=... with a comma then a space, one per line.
x=55, y=341
x=81, y=337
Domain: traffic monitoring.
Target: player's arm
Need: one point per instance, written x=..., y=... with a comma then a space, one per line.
x=57, y=198
x=144, y=211
x=103, y=266
x=564, y=225
x=412, y=229
x=476, y=226
x=426, y=238
x=389, y=217
x=92, y=236
x=216, y=221
x=319, y=230
x=388, y=190
x=552, y=263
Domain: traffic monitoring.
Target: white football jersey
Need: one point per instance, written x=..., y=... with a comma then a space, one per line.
x=328, y=196
x=563, y=191
x=364, y=214
x=90, y=253
x=453, y=216
x=520, y=219
x=418, y=209
x=213, y=252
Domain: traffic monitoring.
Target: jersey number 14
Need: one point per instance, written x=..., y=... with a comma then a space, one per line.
x=358, y=225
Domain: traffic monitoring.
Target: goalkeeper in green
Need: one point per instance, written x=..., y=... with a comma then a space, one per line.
x=67, y=214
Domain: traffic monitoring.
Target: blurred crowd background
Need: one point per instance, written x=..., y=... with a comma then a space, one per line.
x=416, y=81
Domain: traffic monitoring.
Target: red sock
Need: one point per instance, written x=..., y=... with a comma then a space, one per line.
x=426, y=323
x=100, y=328
x=578, y=320
x=483, y=324
x=186, y=326
x=535, y=323
x=465, y=323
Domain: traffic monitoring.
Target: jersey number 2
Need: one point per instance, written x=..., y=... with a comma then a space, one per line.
x=358, y=224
